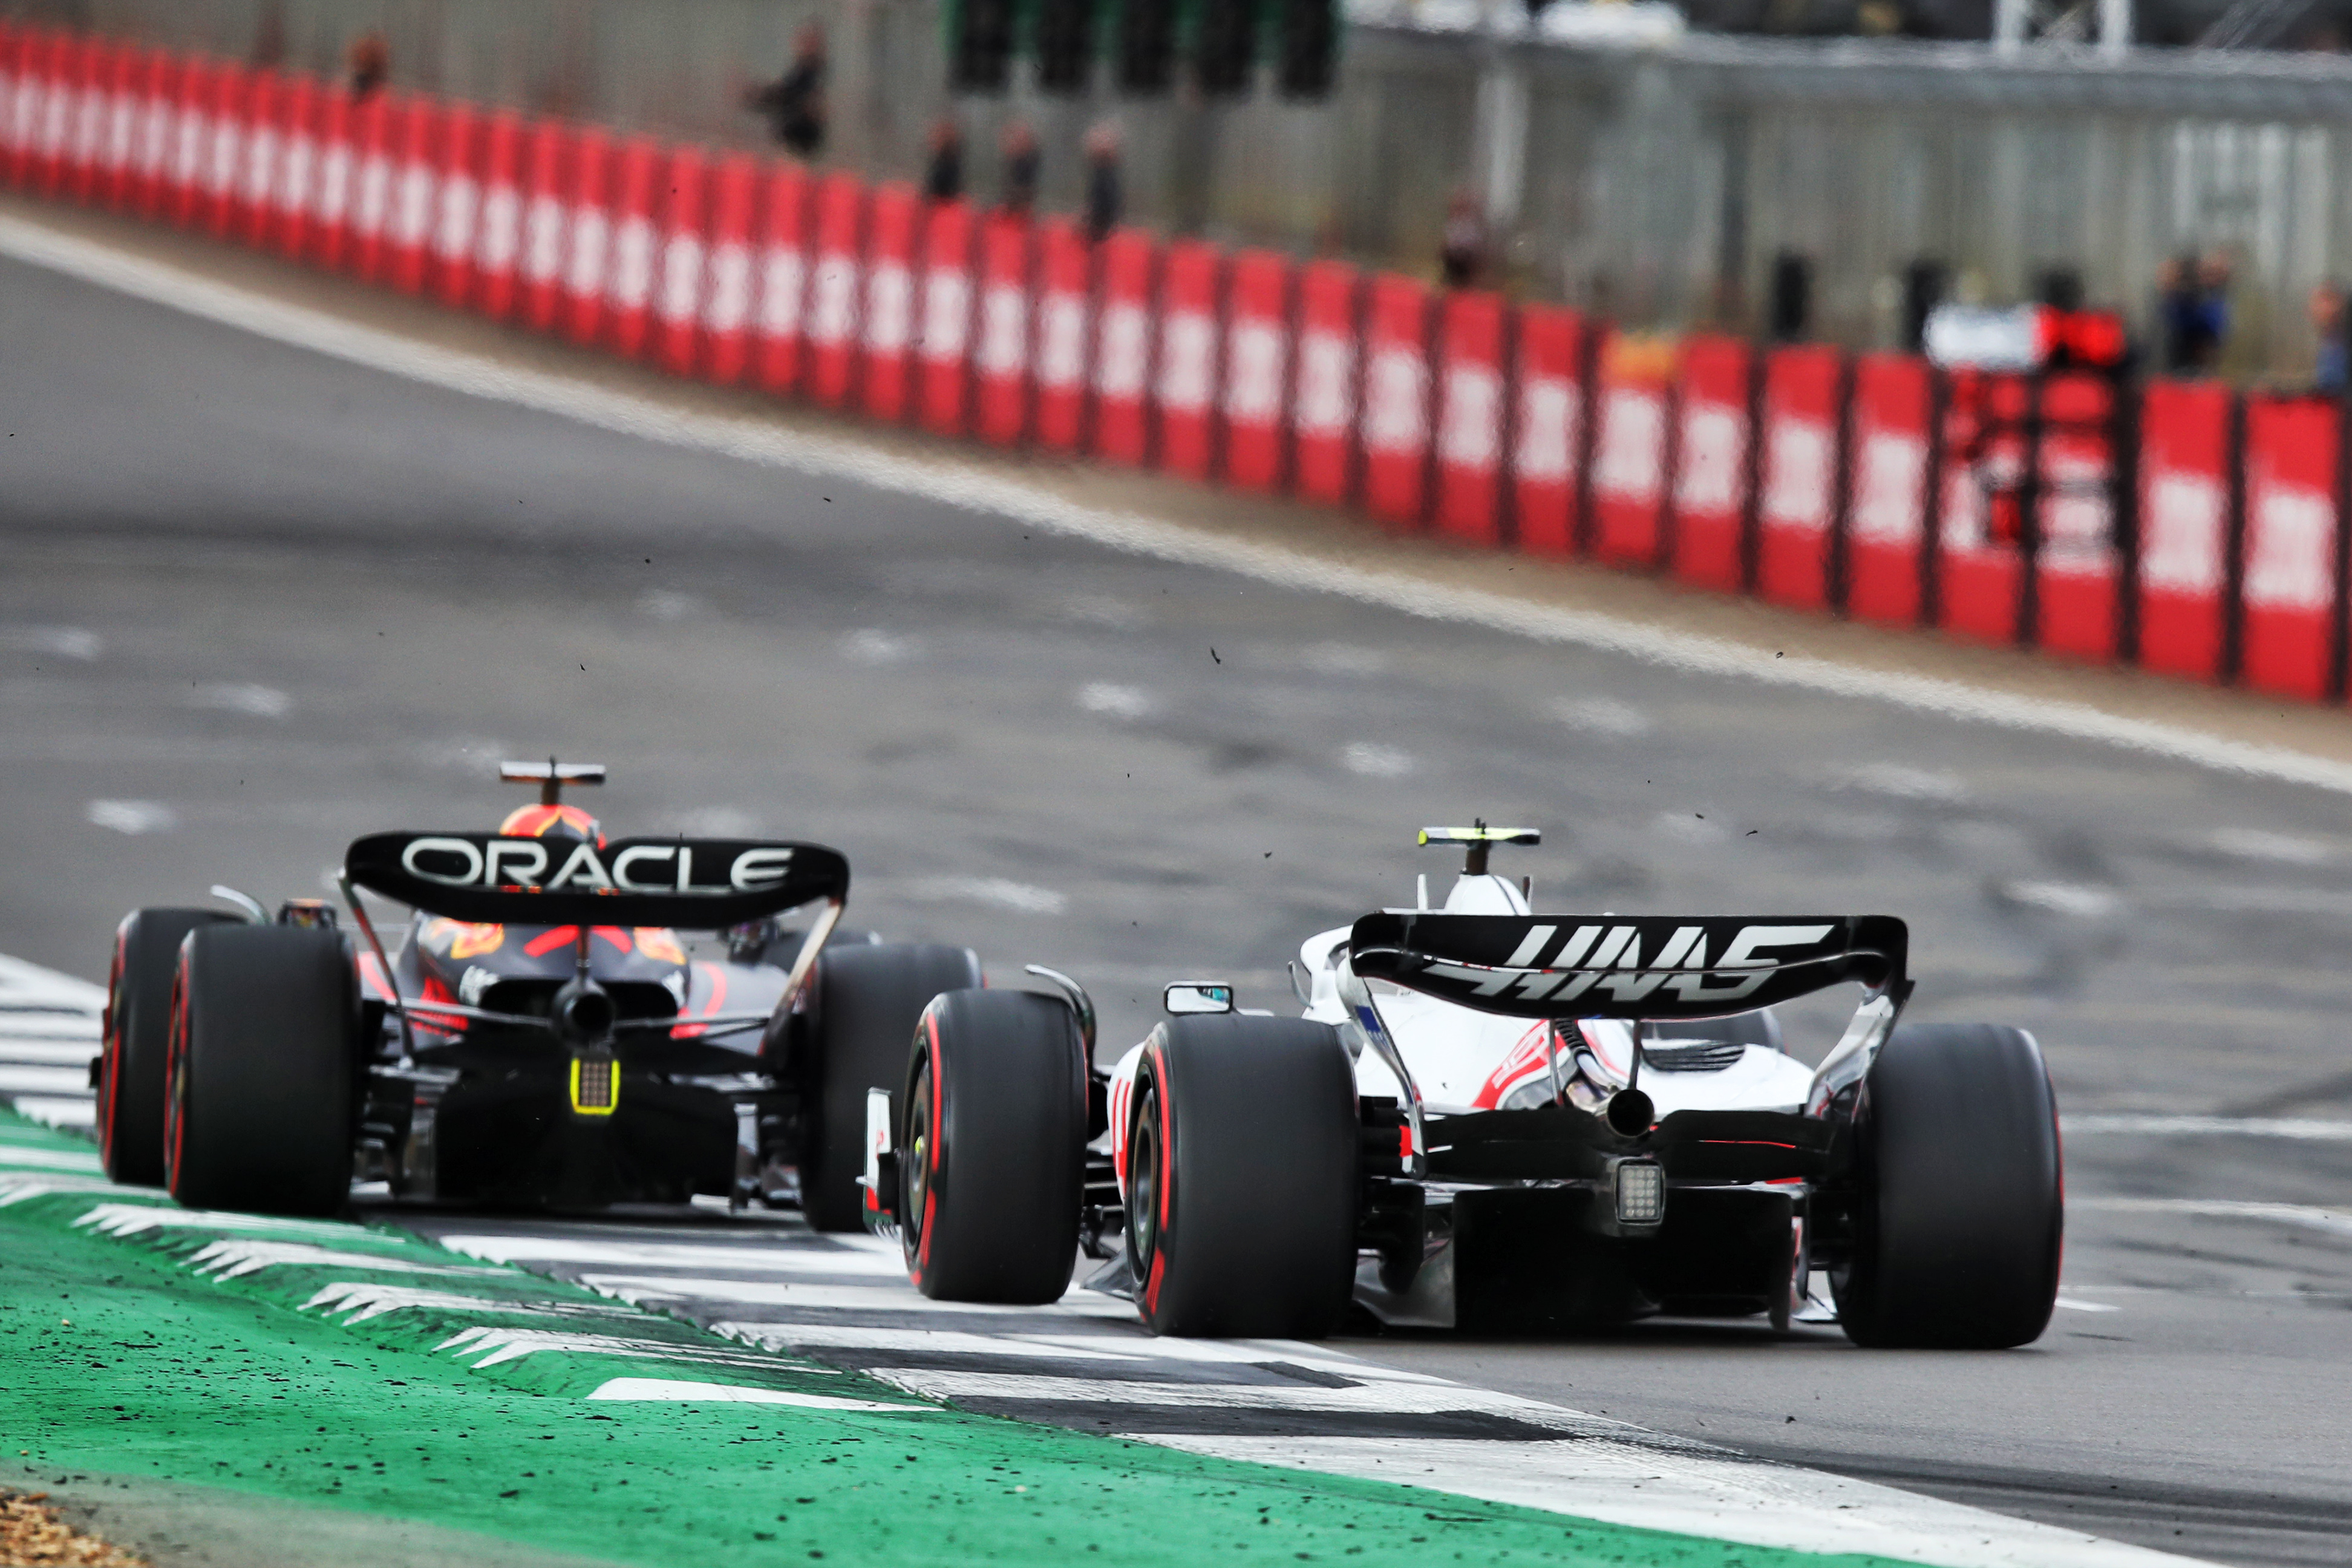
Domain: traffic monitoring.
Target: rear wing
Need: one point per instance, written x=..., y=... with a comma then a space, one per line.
x=1628, y=966
x=699, y=884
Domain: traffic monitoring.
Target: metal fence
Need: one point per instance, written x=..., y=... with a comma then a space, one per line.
x=1656, y=184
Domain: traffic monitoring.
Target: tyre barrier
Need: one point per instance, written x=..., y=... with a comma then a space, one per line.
x=2190, y=528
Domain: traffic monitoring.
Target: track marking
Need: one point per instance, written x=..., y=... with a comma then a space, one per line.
x=2076, y=1304
x=235, y=1259
x=493, y=1346
x=789, y=1257
x=1099, y=1346
x=672, y=1391
x=50, y=1159
x=980, y=490
x=1718, y=1495
x=637, y=1288
x=48, y=1032
x=138, y=1219
x=362, y=1301
x=1384, y=1398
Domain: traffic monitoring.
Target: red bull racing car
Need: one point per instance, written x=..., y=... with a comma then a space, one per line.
x=1492, y=1119
x=540, y=1034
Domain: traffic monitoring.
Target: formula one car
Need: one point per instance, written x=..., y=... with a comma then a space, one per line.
x=1498, y=1120
x=540, y=1037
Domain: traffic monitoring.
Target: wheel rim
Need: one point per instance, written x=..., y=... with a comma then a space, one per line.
x=1143, y=1184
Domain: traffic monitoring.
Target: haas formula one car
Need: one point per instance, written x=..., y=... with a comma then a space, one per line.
x=1493, y=1118
x=539, y=1035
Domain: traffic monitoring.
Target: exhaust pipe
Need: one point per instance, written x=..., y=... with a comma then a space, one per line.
x=585, y=1014
x=1630, y=1113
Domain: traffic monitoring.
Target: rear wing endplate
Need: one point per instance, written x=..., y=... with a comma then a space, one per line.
x=1628, y=966
x=699, y=884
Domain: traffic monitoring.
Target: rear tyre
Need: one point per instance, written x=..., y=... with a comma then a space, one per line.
x=1959, y=1212
x=868, y=1000
x=136, y=1039
x=993, y=1158
x=1243, y=1154
x=264, y=1027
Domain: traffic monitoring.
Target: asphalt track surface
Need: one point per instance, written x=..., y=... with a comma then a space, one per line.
x=254, y=602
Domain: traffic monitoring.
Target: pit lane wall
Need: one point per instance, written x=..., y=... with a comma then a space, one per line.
x=2192, y=530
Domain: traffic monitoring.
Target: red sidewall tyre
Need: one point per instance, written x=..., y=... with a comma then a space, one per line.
x=1244, y=1163
x=993, y=1133
x=135, y=1038
x=265, y=1035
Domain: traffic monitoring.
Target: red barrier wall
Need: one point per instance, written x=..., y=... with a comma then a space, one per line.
x=947, y=316
x=1123, y=347
x=1065, y=303
x=1796, y=512
x=1462, y=409
x=1978, y=567
x=2184, y=521
x=1395, y=417
x=1000, y=402
x=1630, y=450
x=784, y=282
x=1887, y=530
x=1324, y=412
x=889, y=324
x=2288, y=642
x=1470, y=413
x=1257, y=369
x=1184, y=392
x=1549, y=414
x=1711, y=464
x=732, y=288
x=2077, y=568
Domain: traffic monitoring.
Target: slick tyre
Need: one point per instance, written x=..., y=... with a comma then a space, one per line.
x=1244, y=1153
x=265, y=1029
x=993, y=1123
x=135, y=1038
x=1958, y=1207
x=868, y=1000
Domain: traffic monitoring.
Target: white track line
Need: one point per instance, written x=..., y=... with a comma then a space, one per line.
x=783, y=1258
x=1722, y=1497
x=48, y=1032
x=639, y=1289
x=979, y=490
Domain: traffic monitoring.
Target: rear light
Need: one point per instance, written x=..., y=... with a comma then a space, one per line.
x=595, y=1084
x=1641, y=1193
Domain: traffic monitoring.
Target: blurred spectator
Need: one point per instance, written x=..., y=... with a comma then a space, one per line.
x=1462, y=256
x=2332, y=368
x=2193, y=302
x=943, y=180
x=369, y=63
x=795, y=102
x=1022, y=158
x=1103, y=194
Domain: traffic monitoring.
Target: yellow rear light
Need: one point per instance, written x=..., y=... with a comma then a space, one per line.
x=595, y=1085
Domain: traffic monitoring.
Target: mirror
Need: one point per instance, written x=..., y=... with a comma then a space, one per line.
x=1188, y=996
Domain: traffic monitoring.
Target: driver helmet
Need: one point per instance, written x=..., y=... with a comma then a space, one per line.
x=552, y=822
